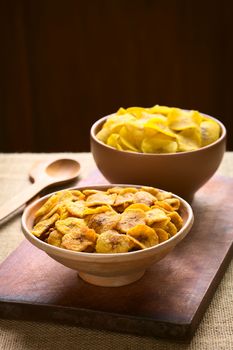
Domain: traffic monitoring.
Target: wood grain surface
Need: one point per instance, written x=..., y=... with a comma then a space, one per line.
x=169, y=301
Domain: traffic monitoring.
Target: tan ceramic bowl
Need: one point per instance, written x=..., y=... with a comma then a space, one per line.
x=181, y=173
x=109, y=270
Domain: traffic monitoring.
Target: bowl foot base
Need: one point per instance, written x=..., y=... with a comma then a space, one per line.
x=116, y=281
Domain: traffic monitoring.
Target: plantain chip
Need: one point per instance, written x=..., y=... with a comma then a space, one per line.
x=69, y=225
x=131, y=218
x=113, y=242
x=55, y=238
x=144, y=234
x=44, y=225
x=100, y=198
x=82, y=240
x=76, y=208
x=210, y=132
x=141, y=206
x=104, y=221
x=124, y=198
x=171, y=228
x=162, y=235
x=144, y=198
x=176, y=219
x=155, y=215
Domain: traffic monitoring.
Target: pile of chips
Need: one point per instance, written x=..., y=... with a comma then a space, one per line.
x=159, y=129
x=118, y=220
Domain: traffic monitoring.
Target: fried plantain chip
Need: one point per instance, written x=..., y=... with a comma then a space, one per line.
x=44, y=225
x=162, y=234
x=76, y=208
x=141, y=206
x=155, y=215
x=210, y=132
x=122, y=190
x=171, y=228
x=113, y=242
x=167, y=208
x=161, y=195
x=144, y=197
x=82, y=240
x=69, y=225
x=144, y=234
x=161, y=224
x=152, y=190
x=131, y=218
x=124, y=198
x=103, y=221
x=55, y=238
x=97, y=210
x=176, y=219
x=174, y=203
x=100, y=198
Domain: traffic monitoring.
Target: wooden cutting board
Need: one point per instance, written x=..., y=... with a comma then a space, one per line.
x=169, y=301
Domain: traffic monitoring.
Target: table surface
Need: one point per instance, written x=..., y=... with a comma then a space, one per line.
x=214, y=332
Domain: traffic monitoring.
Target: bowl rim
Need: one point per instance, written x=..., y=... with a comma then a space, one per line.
x=102, y=256
x=174, y=154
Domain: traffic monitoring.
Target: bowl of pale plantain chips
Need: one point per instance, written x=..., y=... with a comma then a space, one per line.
x=110, y=234
x=171, y=148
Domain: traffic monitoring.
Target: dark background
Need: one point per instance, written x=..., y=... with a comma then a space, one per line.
x=64, y=64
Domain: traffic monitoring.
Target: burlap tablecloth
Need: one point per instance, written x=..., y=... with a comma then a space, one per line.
x=215, y=331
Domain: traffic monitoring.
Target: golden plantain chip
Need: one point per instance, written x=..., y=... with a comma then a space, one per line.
x=47, y=206
x=113, y=242
x=176, y=219
x=62, y=211
x=104, y=221
x=166, y=207
x=210, y=132
x=161, y=224
x=100, y=198
x=162, y=234
x=179, y=120
x=171, y=228
x=76, y=208
x=126, y=140
x=97, y=210
x=136, y=244
x=114, y=141
x=173, y=203
x=124, y=198
x=159, y=144
x=55, y=238
x=162, y=195
x=141, y=206
x=144, y=234
x=155, y=215
x=152, y=190
x=78, y=195
x=189, y=140
x=44, y=225
x=144, y=198
x=69, y=225
x=122, y=190
x=82, y=240
x=131, y=218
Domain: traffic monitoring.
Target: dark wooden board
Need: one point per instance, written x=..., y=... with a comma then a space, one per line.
x=169, y=301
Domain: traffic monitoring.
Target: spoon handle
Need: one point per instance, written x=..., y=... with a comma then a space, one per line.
x=21, y=198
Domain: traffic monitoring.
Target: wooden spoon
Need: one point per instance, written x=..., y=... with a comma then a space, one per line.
x=55, y=172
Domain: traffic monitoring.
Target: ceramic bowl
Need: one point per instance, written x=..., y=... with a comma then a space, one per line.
x=181, y=173
x=109, y=270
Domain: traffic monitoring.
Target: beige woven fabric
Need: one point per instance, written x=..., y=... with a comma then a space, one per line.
x=214, y=332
